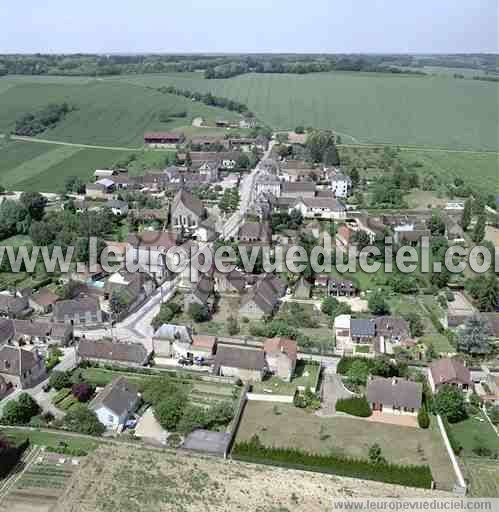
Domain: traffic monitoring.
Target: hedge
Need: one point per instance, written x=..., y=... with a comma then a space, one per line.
x=67, y=450
x=346, y=362
x=411, y=476
x=454, y=443
x=10, y=455
x=356, y=406
x=423, y=417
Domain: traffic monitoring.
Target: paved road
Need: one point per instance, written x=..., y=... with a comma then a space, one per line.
x=68, y=362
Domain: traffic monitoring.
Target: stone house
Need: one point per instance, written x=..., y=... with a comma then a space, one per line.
x=115, y=403
x=106, y=352
x=247, y=364
x=20, y=368
x=319, y=208
x=281, y=355
x=447, y=371
x=84, y=310
x=187, y=211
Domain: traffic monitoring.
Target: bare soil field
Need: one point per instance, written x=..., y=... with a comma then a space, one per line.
x=139, y=480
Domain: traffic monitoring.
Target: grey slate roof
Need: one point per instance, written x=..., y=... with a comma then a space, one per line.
x=243, y=358
x=449, y=370
x=15, y=360
x=362, y=327
x=104, y=349
x=119, y=396
x=189, y=201
x=172, y=332
x=395, y=392
x=73, y=307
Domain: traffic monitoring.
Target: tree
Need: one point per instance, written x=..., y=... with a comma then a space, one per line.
x=75, y=185
x=318, y=143
x=81, y=419
x=377, y=304
x=232, y=325
x=361, y=238
x=20, y=411
x=449, y=403
x=60, y=380
x=375, y=455
x=34, y=203
x=12, y=215
x=243, y=161
x=479, y=229
x=193, y=417
x=82, y=391
x=474, y=338
x=199, y=313
x=42, y=233
x=466, y=215
x=358, y=372
x=354, y=176
x=436, y=224
x=423, y=418
x=440, y=279
x=118, y=302
x=169, y=411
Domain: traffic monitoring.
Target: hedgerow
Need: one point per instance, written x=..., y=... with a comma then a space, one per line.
x=411, y=476
x=356, y=406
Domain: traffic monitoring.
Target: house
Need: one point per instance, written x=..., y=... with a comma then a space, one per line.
x=267, y=182
x=20, y=368
x=202, y=294
x=229, y=282
x=84, y=310
x=447, y=371
x=303, y=289
x=159, y=139
x=131, y=288
x=187, y=211
x=342, y=336
x=19, y=332
x=390, y=332
x=300, y=189
x=117, y=207
x=166, y=336
x=254, y=232
x=209, y=170
x=101, y=189
x=362, y=331
x=453, y=230
x=242, y=144
x=319, y=208
x=341, y=287
x=262, y=298
x=247, y=364
x=149, y=250
x=42, y=302
x=13, y=307
x=394, y=395
x=340, y=183
x=106, y=351
x=115, y=403
x=206, y=231
x=488, y=387
x=104, y=173
x=281, y=355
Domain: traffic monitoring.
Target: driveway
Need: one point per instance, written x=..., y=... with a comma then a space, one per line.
x=332, y=390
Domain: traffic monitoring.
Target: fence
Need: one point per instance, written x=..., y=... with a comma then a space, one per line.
x=260, y=397
x=237, y=419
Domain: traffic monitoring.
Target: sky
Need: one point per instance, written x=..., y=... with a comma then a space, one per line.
x=230, y=26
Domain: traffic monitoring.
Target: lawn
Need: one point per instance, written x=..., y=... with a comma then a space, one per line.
x=363, y=107
x=482, y=477
x=305, y=376
x=108, y=113
x=440, y=343
x=471, y=430
x=287, y=426
x=39, y=438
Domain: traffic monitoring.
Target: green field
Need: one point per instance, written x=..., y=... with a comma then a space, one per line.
x=45, y=167
x=364, y=107
x=107, y=113
x=475, y=429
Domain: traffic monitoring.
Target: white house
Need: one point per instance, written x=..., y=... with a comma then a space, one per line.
x=320, y=208
x=115, y=403
x=340, y=183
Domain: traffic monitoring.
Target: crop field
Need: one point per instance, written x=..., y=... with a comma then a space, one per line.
x=106, y=113
x=45, y=167
x=44, y=479
x=364, y=107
